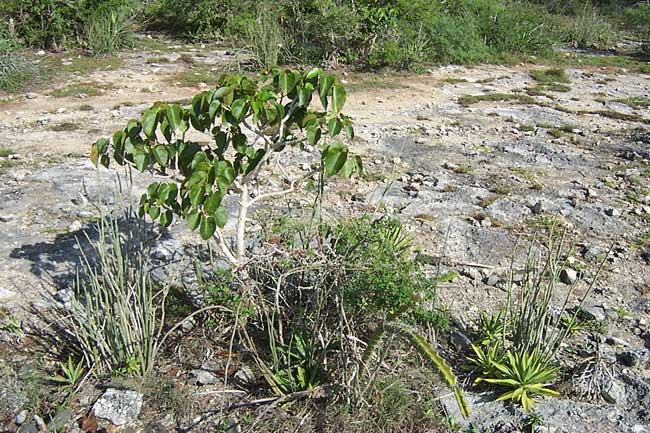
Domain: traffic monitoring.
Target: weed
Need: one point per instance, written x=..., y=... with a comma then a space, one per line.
x=194, y=77
x=491, y=328
x=88, y=89
x=265, y=37
x=636, y=102
x=65, y=126
x=548, y=76
x=375, y=84
x=51, y=66
x=186, y=59
x=108, y=31
x=157, y=59
x=72, y=373
x=454, y=80
x=489, y=200
x=114, y=320
x=622, y=312
x=463, y=169
x=589, y=29
x=6, y=151
x=496, y=97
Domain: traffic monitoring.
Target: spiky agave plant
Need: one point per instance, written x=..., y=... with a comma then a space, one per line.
x=528, y=374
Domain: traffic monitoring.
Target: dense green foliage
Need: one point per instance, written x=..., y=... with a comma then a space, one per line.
x=400, y=34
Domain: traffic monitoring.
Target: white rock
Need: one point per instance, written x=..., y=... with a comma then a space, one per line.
x=118, y=406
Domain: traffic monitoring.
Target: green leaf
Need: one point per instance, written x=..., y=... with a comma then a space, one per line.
x=208, y=227
x=102, y=145
x=196, y=195
x=193, y=219
x=214, y=108
x=287, y=81
x=334, y=156
x=154, y=212
x=166, y=218
x=313, y=135
x=94, y=154
x=349, y=131
x=213, y=201
x=175, y=117
x=161, y=155
x=150, y=122
x=338, y=98
x=324, y=86
x=221, y=216
x=152, y=190
x=313, y=73
x=238, y=109
x=304, y=97
x=334, y=126
x=141, y=159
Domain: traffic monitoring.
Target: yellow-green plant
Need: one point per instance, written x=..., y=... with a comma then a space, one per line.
x=527, y=374
x=72, y=372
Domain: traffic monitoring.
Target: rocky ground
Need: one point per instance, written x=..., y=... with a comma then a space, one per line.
x=471, y=177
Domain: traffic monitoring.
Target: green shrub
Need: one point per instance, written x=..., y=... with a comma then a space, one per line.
x=265, y=38
x=321, y=29
x=639, y=18
x=199, y=19
x=588, y=29
x=15, y=69
x=458, y=40
x=45, y=23
x=113, y=320
x=108, y=31
x=385, y=281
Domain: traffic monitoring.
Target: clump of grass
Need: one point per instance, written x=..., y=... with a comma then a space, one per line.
x=88, y=89
x=114, y=319
x=374, y=84
x=52, y=66
x=265, y=37
x=6, y=151
x=109, y=31
x=496, y=97
x=186, y=59
x=489, y=200
x=157, y=59
x=636, y=102
x=549, y=76
x=454, y=80
x=15, y=71
x=193, y=77
x=65, y=126
x=463, y=169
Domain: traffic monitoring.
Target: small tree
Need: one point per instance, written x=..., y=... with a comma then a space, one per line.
x=250, y=122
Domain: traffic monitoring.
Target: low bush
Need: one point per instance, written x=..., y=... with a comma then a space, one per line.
x=518, y=348
x=265, y=38
x=108, y=31
x=15, y=68
x=113, y=320
x=588, y=29
x=638, y=17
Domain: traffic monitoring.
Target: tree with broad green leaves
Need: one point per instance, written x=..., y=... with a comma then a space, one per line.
x=251, y=121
